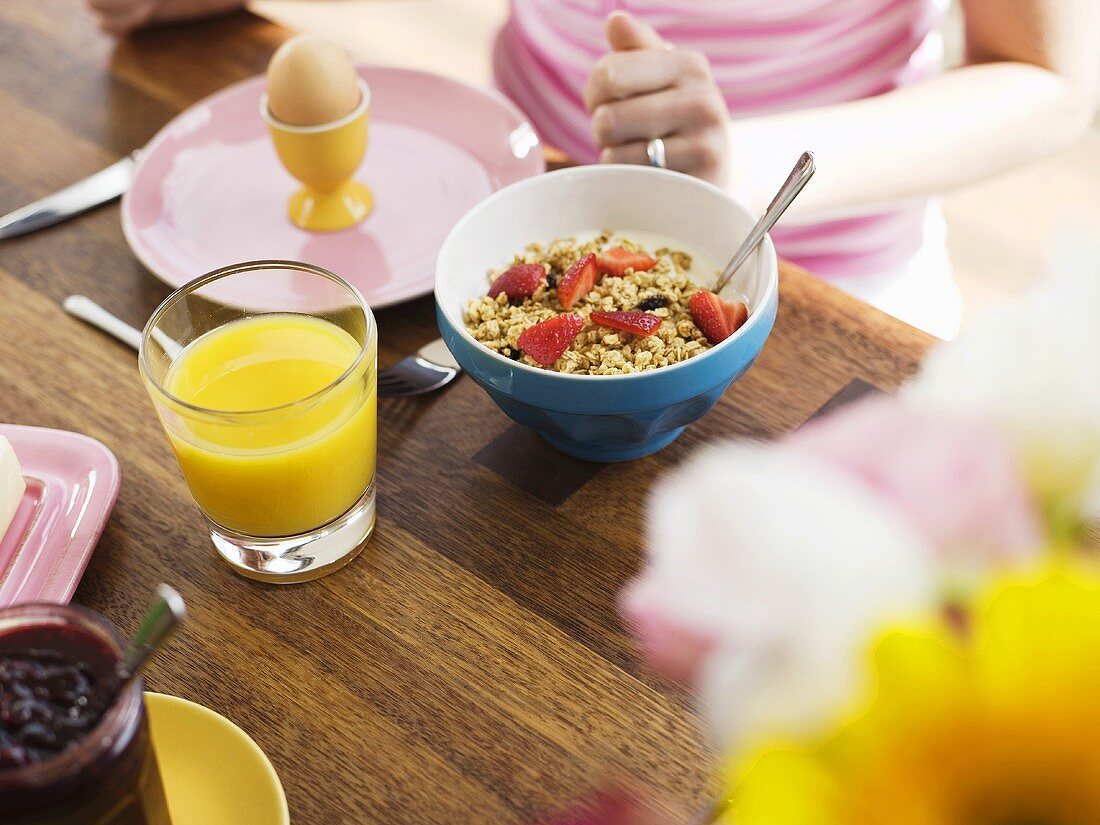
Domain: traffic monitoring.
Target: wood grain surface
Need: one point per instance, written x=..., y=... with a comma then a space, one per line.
x=469, y=665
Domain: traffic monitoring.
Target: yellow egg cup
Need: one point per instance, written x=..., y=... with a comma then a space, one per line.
x=324, y=158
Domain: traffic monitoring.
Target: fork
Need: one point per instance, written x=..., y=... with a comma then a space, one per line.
x=429, y=369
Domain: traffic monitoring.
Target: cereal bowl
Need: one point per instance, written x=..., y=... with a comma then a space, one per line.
x=606, y=417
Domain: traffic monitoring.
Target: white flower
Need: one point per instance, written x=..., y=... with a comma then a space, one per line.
x=1033, y=367
x=786, y=569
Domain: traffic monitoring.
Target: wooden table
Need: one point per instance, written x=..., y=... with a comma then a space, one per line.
x=469, y=666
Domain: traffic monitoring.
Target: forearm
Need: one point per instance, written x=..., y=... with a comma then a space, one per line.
x=173, y=10
x=932, y=136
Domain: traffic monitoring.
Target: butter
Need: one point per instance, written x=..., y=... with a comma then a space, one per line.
x=12, y=485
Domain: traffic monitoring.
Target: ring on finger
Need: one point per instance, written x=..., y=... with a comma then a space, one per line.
x=655, y=152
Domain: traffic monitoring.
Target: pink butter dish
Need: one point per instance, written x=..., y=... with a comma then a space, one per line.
x=72, y=483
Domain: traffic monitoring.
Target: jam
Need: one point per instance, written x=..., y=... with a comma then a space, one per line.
x=44, y=705
x=66, y=756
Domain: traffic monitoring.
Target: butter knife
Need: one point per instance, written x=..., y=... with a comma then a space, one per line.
x=103, y=186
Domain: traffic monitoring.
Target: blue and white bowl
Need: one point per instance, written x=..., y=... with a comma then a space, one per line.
x=605, y=417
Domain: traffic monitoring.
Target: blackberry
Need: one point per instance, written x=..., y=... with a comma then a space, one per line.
x=653, y=302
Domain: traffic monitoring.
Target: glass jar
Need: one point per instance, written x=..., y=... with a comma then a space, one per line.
x=110, y=776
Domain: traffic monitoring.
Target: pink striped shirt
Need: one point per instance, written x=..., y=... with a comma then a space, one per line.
x=767, y=56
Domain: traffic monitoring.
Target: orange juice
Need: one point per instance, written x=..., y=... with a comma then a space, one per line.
x=287, y=444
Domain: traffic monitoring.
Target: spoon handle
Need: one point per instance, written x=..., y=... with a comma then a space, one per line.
x=166, y=612
x=162, y=618
x=798, y=178
x=92, y=313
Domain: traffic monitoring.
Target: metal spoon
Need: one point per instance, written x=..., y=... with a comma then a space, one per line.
x=431, y=368
x=88, y=311
x=161, y=620
x=798, y=178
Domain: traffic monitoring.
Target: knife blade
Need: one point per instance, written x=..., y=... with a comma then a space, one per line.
x=103, y=186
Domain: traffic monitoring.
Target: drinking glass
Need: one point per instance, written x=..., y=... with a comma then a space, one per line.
x=109, y=777
x=264, y=377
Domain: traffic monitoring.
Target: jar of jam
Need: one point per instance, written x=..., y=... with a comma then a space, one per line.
x=63, y=759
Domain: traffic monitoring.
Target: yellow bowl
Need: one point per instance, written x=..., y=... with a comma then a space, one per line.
x=213, y=773
x=324, y=158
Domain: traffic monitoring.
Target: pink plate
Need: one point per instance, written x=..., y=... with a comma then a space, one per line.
x=210, y=191
x=72, y=484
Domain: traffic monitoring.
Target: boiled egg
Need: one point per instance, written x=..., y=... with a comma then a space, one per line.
x=311, y=81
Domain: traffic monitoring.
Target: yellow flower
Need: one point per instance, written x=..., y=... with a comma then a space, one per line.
x=1003, y=729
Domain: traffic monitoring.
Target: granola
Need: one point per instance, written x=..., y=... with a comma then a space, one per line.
x=663, y=291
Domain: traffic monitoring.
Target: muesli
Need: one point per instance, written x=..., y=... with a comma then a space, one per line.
x=603, y=307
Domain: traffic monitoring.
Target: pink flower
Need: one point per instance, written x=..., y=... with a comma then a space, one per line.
x=770, y=567
x=612, y=807
x=955, y=478
x=766, y=577
x=1032, y=367
x=669, y=645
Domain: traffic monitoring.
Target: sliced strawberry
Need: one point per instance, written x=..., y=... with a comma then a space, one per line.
x=547, y=340
x=717, y=318
x=639, y=323
x=616, y=261
x=577, y=281
x=519, y=281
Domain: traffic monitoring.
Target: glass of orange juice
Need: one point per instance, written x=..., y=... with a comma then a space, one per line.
x=264, y=377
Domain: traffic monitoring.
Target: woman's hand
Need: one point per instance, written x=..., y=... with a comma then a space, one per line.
x=645, y=88
x=119, y=17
